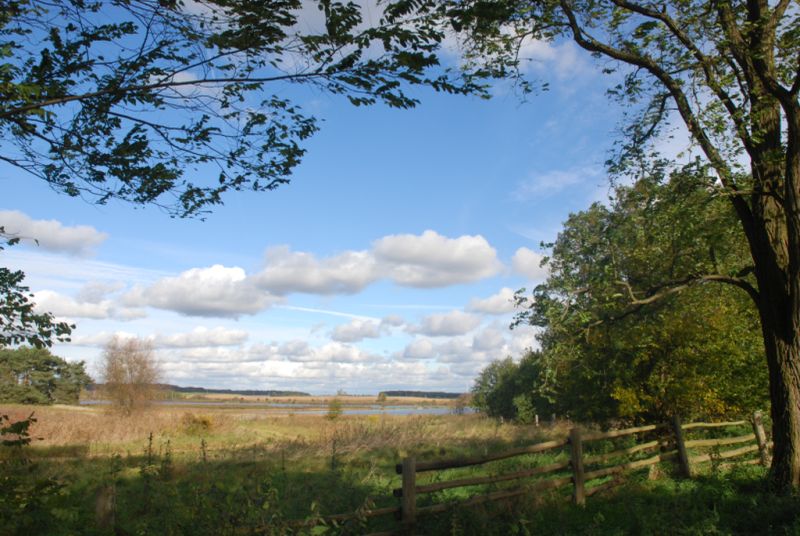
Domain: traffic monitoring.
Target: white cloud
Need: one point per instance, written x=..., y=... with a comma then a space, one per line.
x=446, y=324
x=554, y=181
x=333, y=352
x=527, y=262
x=489, y=339
x=52, y=235
x=287, y=271
x=97, y=291
x=294, y=348
x=393, y=321
x=356, y=330
x=100, y=339
x=497, y=304
x=95, y=308
x=65, y=306
x=419, y=349
x=563, y=59
x=202, y=336
x=432, y=260
x=213, y=291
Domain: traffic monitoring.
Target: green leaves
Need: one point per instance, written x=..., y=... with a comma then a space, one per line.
x=634, y=328
x=119, y=100
x=35, y=376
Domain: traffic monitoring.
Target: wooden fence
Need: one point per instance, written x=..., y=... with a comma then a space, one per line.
x=669, y=443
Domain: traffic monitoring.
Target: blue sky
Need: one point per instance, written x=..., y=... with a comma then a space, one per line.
x=387, y=263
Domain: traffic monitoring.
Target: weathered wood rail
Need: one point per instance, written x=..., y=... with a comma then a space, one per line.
x=669, y=445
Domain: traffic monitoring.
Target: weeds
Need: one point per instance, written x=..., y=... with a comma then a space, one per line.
x=275, y=476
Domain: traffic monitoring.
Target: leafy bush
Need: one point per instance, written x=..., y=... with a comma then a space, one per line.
x=27, y=499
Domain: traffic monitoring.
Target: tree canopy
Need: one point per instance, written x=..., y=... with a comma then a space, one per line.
x=726, y=70
x=611, y=352
x=175, y=103
x=20, y=323
x=35, y=376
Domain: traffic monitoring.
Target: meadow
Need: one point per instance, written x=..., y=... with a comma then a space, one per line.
x=233, y=470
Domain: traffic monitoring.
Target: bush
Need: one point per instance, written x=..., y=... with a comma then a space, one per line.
x=197, y=424
x=334, y=409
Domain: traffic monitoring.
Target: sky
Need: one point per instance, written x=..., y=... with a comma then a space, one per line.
x=388, y=262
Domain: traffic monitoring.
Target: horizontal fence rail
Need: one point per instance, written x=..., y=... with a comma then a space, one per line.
x=480, y=460
x=670, y=444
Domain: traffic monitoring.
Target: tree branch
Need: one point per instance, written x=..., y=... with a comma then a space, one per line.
x=704, y=61
x=674, y=87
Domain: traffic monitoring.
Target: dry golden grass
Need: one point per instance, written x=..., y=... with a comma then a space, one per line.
x=101, y=432
x=350, y=400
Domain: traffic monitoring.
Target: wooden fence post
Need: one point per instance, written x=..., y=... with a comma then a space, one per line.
x=409, y=500
x=761, y=438
x=683, y=456
x=576, y=460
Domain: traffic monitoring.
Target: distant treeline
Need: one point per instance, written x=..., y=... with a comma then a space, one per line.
x=420, y=394
x=205, y=391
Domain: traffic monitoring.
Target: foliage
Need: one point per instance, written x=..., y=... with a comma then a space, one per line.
x=694, y=354
x=507, y=389
x=127, y=100
x=261, y=471
x=35, y=376
x=19, y=322
x=697, y=353
x=130, y=373
x=27, y=499
x=334, y=409
x=728, y=72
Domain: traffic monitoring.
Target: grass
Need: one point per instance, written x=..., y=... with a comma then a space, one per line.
x=243, y=471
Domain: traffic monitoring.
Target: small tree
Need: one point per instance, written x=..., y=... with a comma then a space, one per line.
x=130, y=372
x=334, y=409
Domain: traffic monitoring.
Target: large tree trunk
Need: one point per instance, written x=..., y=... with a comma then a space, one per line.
x=784, y=379
x=782, y=345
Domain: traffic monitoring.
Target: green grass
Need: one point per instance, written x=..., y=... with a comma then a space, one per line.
x=244, y=473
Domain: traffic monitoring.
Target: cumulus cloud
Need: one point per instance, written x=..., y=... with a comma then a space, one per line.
x=527, y=262
x=202, y=336
x=489, y=339
x=419, y=349
x=288, y=271
x=66, y=306
x=95, y=307
x=432, y=260
x=394, y=321
x=52, y=235
x=213, y=291
x=356, y=330
x=497, y=304
x=427, y=260
x=97, y=291
x=332, y=352
x=100, y=339
x=446, y=324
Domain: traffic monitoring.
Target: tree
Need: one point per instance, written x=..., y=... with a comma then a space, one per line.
x=507, y=389
x=35, y=376
x=334, y=408
x=696, y=353
x=125, y=100
x=728, y=71
x=19, y=322
x=130, y=373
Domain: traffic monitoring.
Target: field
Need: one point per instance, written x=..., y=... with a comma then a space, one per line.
x=234, y=470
